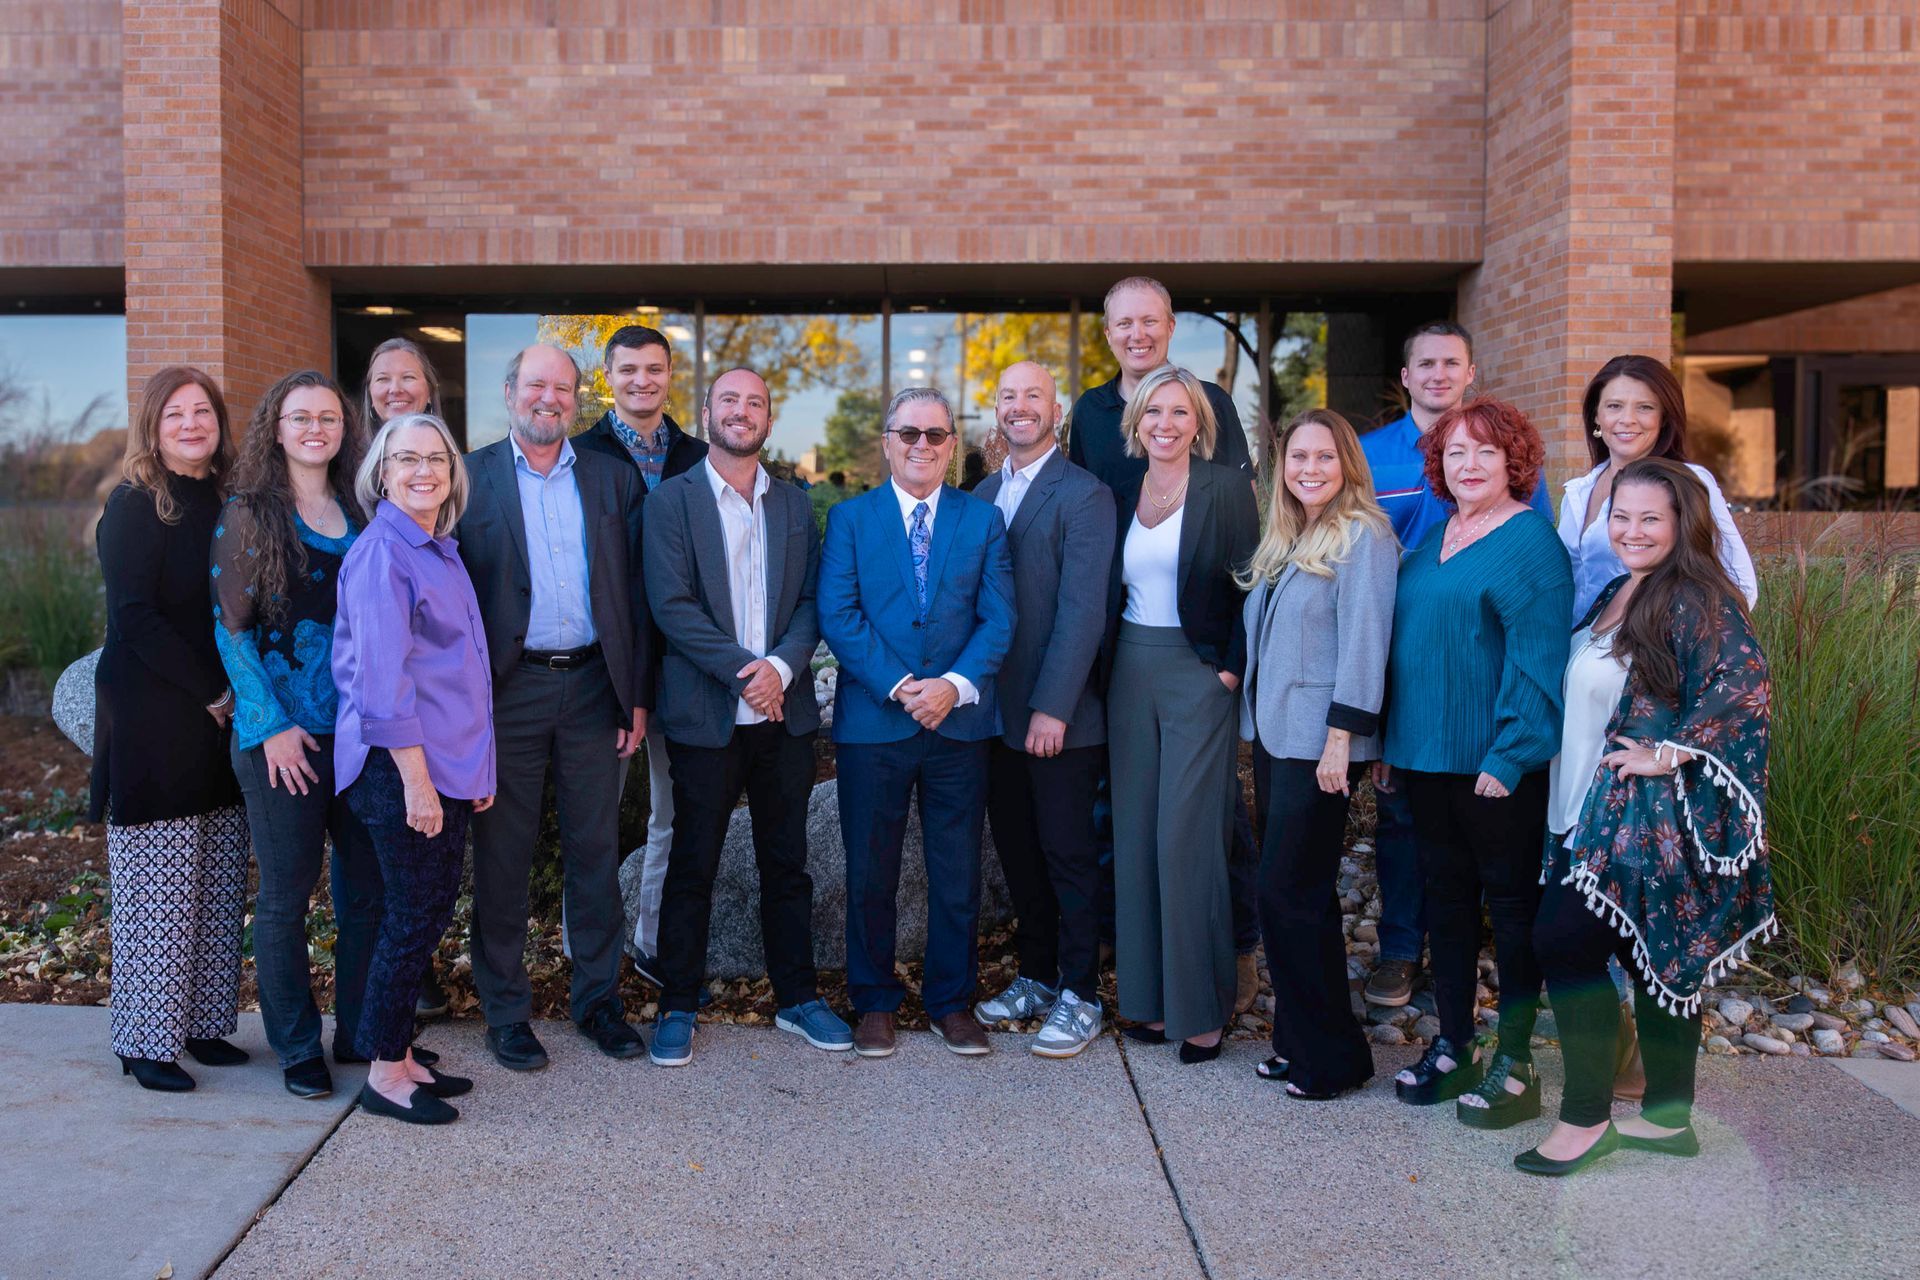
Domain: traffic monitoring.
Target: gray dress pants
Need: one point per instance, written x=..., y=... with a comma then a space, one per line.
x=1170, y=737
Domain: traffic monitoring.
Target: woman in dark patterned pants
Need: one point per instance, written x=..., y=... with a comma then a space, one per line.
x=176, y=834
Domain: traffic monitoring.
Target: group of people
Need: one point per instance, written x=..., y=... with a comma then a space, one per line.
x=405, y=642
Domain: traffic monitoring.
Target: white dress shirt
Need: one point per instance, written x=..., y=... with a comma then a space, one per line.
x=1595, y=564
x=743, y=525
x=1014, y=484
x=968, y=694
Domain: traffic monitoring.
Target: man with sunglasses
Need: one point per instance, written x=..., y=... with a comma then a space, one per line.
x=916, y=601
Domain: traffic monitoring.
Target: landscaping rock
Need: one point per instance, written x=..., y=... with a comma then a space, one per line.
x=1902, y=1021
x=1800, y=1004
x=1793, y=1021
x=1897, y=1051
x=1800, y=1051
x=1386, y=1033
x=73, y=701
x=1827, y=1022
x=1829, y=1043
x=1876, y=1036
x=1865, y=1050
x=1427, y=1027
x=1735, y=1011
x=1719, y=1044
x=1765, y=1044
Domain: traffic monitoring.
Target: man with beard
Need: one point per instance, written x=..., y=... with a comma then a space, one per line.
x=1042, y=772
x=732, y=559
x=551, y=539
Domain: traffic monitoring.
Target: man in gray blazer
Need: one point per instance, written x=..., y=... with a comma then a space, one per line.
x=551, y=539
x=1042, y=773
x=732, y=560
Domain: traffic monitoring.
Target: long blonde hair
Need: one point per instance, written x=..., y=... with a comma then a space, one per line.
x=1317, y=546
x=142, y=465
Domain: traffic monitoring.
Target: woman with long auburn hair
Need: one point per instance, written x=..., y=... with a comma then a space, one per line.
x=1658, y=849
x=1318, y=617
x=176, y=834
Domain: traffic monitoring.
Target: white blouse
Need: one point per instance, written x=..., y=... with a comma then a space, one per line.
x=1592, y=688
x=1150, y=568
x=1595, y=564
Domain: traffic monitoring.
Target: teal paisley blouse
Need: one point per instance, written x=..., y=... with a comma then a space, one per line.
x=1678, y=863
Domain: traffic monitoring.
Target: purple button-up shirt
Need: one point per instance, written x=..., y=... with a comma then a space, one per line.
x=410, y=658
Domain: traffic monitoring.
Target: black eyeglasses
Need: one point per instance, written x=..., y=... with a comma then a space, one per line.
x=936, y=436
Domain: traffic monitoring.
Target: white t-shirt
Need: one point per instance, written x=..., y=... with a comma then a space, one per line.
x=1592, y=688
x=1150, y=568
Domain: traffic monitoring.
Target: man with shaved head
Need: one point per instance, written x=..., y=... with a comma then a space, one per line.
x=1043, y=769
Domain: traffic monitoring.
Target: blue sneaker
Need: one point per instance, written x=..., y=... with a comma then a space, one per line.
x=820, y=1026
x=672, y=1040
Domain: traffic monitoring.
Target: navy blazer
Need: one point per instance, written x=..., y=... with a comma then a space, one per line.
x=870, y=619
x=1062, y=541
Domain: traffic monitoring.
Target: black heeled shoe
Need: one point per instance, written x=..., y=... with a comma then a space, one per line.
x=422, y=1107
x=1274, y=1069
x=1193, y=1054
x=1545, y=1167
x=1430, y=1084
x=216, y=1053
x=446, y=1086
x=1498, y=1107
x=1144, y=1035
x=1684, y=1143
x=162, y=1077
x=1295, y=1092
x=309, y=1079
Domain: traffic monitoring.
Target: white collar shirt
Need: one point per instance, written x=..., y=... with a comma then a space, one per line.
x=1014, y=484
x=743, y=525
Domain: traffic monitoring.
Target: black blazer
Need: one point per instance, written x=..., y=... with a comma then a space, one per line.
x=493, y=544
x=683, y=451
x=1219, y=530
x=692, y=602
x=1062, y=533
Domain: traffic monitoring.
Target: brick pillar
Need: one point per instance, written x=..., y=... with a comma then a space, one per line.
x=1577, y=263
x=215, y=270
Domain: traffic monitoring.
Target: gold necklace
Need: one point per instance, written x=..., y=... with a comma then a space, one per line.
x=1170, y=498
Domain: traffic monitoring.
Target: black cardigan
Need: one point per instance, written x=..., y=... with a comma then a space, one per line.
x=1220, y=527
x=157, y=754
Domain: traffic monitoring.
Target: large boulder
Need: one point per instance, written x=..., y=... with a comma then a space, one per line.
x=733, y=949
x=73, y=701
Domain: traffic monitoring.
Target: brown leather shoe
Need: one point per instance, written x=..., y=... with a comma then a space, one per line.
x=1246, y=983
x=960, y=1033
x=873, y=1038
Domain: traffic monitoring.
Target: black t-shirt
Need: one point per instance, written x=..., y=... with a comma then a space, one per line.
x=1094, y=435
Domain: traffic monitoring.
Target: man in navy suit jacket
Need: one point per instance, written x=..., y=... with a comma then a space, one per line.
x=916, y=601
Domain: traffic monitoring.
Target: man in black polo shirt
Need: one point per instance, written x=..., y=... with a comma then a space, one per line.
x=639, y=431
x=1139, y=320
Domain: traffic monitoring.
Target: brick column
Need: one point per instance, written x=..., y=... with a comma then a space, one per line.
x=215, y=269
x=1577, y=265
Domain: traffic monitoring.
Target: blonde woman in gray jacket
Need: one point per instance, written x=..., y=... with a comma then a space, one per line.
x=1318, y=620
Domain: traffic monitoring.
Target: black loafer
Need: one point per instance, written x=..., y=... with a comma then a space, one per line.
x=309, y=1079
x=615, y=1036
x=1542, y=1167
x=1684, y=1143
x=216, y=1053
x=1430, y=1084
x=162, y=1077
x=515, y=1047
x=447, y=1086
x=1144, y=1035
x=344, y=1055
x=422, y=1108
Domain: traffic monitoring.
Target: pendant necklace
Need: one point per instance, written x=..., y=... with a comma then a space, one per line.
x=1452, y=546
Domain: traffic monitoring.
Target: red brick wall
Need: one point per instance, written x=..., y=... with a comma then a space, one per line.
x=860, y=131
x=1798, y=130
x=1887, y=321
x=60, y=146
x=1577, y=264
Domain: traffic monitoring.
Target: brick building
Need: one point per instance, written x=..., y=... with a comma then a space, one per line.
x=262, y=184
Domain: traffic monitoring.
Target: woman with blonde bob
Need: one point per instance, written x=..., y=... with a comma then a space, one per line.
x=1318, y=617
x=413, y=740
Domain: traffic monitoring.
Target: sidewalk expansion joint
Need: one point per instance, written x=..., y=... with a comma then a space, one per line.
x=280, y=1190
x=1159, y=1153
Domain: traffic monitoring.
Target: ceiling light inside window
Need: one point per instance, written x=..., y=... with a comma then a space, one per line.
x=441, y=333
x=678, y=332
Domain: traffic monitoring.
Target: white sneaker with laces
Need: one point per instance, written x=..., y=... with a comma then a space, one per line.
x=1070, y=1028
x=1023, y=999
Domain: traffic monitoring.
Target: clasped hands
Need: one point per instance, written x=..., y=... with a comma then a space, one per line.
x=928, y=701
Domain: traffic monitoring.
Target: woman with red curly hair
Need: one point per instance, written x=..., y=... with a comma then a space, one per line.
x=1474, y=708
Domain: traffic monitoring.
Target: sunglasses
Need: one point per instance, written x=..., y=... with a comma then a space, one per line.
x=936, y=437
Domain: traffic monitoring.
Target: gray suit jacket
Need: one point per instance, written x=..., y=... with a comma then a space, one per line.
x=493, y=543
x=1317, y=652
x=1062, y=545
x=687, y=586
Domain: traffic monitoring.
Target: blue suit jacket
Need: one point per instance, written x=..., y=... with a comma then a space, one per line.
x=869, y=618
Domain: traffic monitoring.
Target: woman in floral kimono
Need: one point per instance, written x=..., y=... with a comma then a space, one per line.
x=1657, y=847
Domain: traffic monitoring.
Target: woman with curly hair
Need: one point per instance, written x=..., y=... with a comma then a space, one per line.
x=1474, y=707
x=1658, y=855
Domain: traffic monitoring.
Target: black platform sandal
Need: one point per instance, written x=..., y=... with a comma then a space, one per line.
x=1274, y=1069
x=1430, y=1084
x=1491, y=1105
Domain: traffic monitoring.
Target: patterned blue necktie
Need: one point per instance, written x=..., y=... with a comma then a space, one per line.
x=917, y=542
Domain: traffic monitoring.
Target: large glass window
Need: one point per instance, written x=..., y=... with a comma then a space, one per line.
x=63, y=388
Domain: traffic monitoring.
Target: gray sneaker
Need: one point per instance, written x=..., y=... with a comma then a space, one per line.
x=1024, y=999
x=1070, y=1028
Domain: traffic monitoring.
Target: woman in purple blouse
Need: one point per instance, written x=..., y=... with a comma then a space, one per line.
x=413, y=743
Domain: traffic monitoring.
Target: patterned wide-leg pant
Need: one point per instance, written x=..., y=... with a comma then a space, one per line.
x=179, y=894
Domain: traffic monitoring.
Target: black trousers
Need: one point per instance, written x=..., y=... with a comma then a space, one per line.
x=1573, y=945
x=1478, y=846
x=1313, y=1024
x=1041, y=809
x=775, y=769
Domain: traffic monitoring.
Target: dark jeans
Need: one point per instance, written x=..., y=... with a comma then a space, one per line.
x=775, y=769
x=877, y=784
x=422, y=878
x=1479, y=846
x=1042, y=814
x=1401, y=868
x=289, y=833
x=1574, y=946
x=1313, y=1024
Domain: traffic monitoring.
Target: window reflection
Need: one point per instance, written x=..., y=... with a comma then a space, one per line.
x=63, y=404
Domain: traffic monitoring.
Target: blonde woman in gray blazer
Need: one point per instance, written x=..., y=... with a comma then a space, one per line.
x=1318, y=619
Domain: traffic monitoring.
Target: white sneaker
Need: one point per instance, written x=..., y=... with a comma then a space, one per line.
x=1024, y=999
x=1070, y=1028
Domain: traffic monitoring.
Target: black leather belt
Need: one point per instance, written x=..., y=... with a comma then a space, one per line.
x=559, y=659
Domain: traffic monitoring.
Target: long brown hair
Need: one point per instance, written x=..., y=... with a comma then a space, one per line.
x=1692, y=572
x=142, y=465
x=1655, y=377
x=263, y=488
x=1318, y=546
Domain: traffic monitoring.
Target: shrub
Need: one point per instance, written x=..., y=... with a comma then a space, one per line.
x=1843, y=805
x=51, y=607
